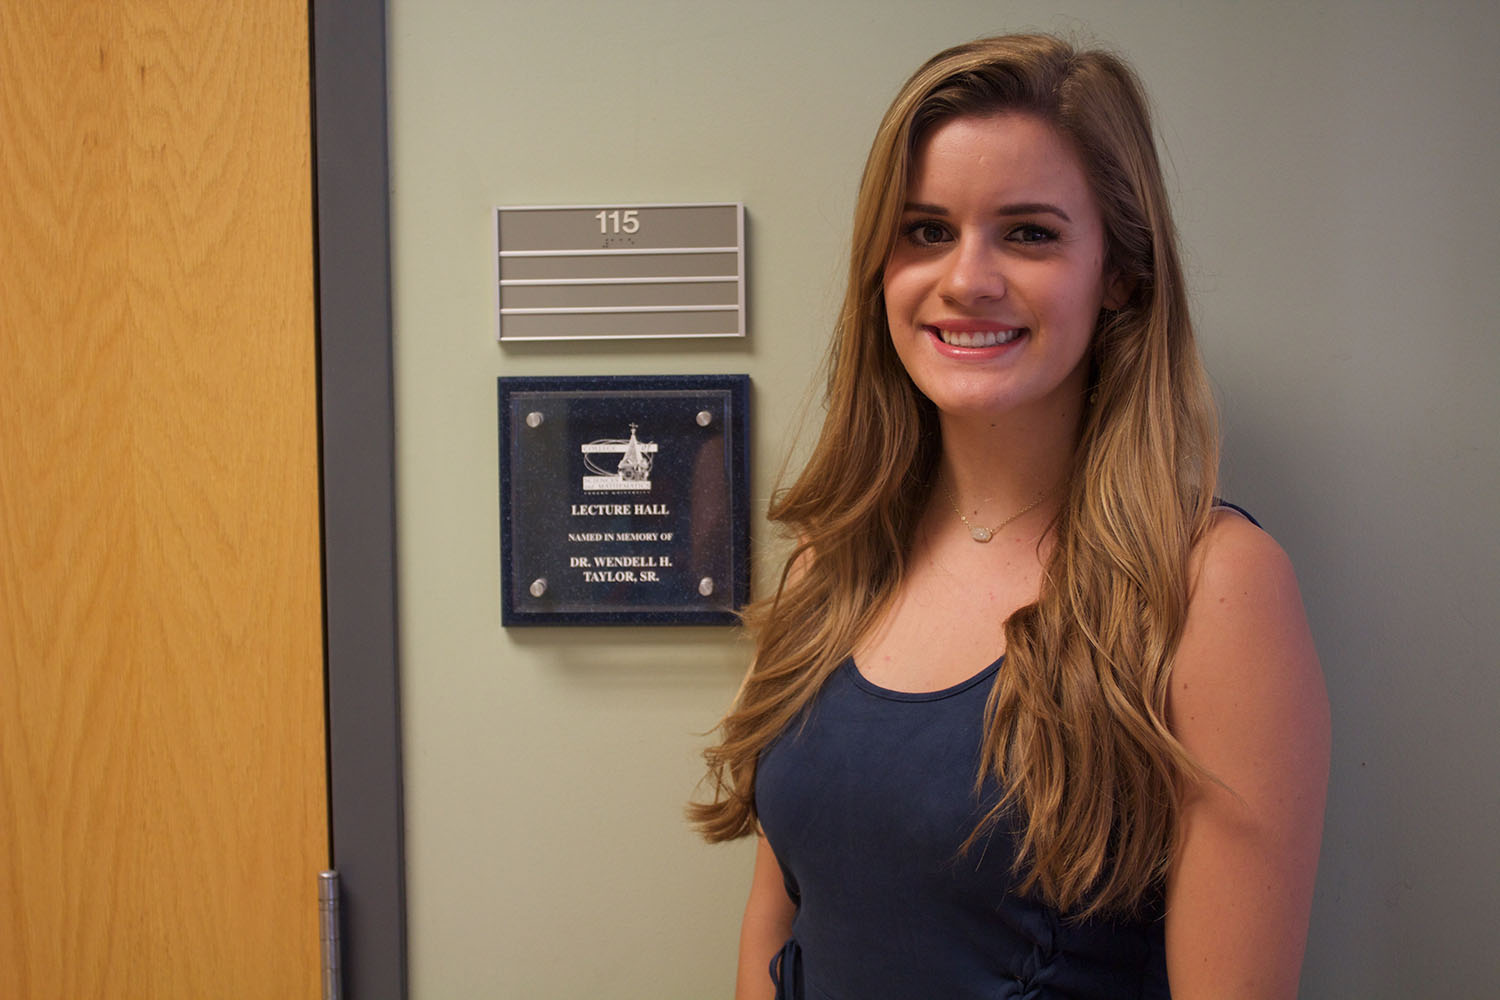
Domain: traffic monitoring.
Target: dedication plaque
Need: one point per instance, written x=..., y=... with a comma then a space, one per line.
x=624, y=500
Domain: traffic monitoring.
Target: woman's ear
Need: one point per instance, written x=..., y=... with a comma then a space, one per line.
x=1117, y=291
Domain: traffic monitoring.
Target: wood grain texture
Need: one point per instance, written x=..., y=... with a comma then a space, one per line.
x=162, y=778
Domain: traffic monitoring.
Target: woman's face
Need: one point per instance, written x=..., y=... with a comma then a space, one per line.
x=995, y=282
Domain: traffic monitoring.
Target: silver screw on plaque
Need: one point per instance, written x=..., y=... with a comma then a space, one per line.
x=705, y=418
x=705, y=586
x=538, y=586
x=534, y=419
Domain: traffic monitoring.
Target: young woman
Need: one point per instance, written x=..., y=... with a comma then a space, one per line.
x=1031, y=713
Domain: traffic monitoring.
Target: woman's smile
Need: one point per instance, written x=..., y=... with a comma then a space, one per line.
x=969, y=335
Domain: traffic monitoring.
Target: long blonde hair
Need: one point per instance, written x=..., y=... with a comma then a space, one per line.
x=1076, y=721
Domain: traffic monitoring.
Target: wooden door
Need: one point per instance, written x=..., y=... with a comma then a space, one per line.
x=162, y=778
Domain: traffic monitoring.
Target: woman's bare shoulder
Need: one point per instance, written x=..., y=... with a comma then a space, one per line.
x=1236, y=556
x=1246, y=634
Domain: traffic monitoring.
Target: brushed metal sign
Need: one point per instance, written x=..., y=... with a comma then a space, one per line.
x=591, y=272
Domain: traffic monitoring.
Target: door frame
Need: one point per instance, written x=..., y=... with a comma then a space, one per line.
x=357, y=440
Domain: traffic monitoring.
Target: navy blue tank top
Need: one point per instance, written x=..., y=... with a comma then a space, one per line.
x=866, y=800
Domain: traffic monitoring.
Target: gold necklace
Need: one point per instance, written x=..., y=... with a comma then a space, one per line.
x=979, y=532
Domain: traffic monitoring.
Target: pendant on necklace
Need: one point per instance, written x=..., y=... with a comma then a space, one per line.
x=979, y=533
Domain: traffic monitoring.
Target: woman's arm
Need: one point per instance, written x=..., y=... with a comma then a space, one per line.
x=765, y=928
x=1247, y=701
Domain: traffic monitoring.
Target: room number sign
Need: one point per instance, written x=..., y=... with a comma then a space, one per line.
x=588, y=272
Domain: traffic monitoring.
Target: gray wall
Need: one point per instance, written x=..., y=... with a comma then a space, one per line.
x=1332, y=166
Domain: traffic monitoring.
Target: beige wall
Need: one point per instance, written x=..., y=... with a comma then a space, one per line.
x=1334, y=169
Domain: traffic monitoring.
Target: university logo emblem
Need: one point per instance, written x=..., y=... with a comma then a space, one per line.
x=631, y=474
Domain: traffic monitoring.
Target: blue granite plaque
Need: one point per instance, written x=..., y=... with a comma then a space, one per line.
x=624, y=500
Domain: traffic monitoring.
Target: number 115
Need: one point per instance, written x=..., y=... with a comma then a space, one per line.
x=614, y=220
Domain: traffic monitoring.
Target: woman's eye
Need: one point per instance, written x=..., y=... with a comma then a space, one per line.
x=1032, y=234
x=926, y=233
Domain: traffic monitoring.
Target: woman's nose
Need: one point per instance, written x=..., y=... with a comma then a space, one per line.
x=973, y=272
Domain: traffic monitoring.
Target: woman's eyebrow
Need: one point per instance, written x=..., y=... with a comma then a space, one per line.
x=1033, y=208
x=1020, y=208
